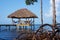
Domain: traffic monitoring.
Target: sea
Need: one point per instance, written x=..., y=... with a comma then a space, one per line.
x=6, y=34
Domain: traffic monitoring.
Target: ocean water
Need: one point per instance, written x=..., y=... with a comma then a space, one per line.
x=7, y=34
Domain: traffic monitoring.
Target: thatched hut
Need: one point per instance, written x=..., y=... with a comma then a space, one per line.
x=23, y=14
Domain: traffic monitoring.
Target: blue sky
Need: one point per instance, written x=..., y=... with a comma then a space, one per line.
x=9, y=6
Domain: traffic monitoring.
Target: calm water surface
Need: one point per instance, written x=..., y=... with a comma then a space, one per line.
x=10, y=35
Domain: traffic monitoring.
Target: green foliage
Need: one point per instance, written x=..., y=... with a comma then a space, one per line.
x=29, y=2
x=34, y=0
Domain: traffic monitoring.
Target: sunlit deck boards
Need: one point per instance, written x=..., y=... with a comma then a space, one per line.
x=23, y=25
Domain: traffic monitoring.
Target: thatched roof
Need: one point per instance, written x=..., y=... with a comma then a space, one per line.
x=22, y=13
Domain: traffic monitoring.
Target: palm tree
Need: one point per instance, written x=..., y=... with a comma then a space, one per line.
x=41, y=12
x=29, y=2
x=54, y=14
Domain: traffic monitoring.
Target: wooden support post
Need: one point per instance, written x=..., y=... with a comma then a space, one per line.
x=26, y=26
x=17, y=28
x=0, y=27
x=33, y=25
x=9, y=28
x=12, y=21
x=6, y=28
x=23, y=27
x=26, y=19
x=19, y=20
x=28, y=22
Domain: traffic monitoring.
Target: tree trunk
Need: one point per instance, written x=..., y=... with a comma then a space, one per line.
x=54, y=14
x=41, y=12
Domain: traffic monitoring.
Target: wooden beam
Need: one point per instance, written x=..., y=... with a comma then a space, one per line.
x=12, y=21
x=33, y=25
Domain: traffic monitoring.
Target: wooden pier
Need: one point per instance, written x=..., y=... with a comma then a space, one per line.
x=7, y=25
x=14, y=25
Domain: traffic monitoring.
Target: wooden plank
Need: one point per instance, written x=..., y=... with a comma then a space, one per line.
x=23, y=25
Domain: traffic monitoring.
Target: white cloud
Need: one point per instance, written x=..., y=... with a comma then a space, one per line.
x=57, y=2
x=48, y=14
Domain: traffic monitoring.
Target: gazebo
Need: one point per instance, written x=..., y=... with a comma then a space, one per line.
x=23, y=14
